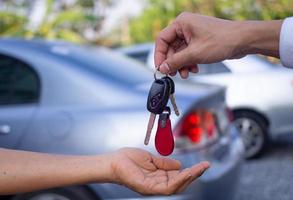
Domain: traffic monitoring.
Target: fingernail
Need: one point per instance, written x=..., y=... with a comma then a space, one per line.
x=194, y=70
x=164, y=68
x=206, y=164
x=185, y=76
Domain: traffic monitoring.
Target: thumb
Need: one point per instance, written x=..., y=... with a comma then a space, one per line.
x=177, y=61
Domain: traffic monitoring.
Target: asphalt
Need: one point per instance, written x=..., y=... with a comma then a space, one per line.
x=269, y=177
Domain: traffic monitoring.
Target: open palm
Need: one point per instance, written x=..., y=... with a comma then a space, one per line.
x=148, y=174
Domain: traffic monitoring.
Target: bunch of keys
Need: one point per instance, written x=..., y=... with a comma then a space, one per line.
x=160, y=92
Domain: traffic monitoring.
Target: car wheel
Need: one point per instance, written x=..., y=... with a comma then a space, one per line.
x=68, y=193
x=253, y=131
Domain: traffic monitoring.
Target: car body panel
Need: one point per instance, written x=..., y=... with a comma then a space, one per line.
x=267, y=93
x=17, y=120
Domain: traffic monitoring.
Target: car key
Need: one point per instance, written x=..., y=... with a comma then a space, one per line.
x=157, y=100
x=172, y=94
x=164, y=140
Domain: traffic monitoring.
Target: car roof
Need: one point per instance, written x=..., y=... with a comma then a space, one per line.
x=249, y=63
x=33, y=43
x=96, y=59
x=137, y=48
x=105, y=56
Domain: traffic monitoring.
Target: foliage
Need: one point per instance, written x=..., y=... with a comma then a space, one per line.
x=159, y=13
x=11, y=24
x=68, y=22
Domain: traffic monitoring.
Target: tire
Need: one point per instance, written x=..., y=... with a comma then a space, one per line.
x=253, y=130
x=67, y=193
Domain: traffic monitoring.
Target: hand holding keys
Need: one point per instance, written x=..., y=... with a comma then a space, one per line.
x=161, y=90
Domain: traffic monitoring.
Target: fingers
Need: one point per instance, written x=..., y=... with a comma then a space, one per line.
x=176, y=182
x=173, y=73
x=172, y=52
x=196, y=172
x=193, y=69
x=173, y=184
x=182, y=180
x=166, y=163
x=184, y=72
x=163, y=41
x=199, y=169
x=176, y=61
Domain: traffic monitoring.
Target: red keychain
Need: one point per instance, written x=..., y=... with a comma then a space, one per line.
x=164, y=140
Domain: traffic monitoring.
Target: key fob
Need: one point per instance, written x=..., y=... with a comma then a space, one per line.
x=158, y=96
x=171, y=83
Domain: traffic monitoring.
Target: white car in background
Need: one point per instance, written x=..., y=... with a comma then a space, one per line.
x=259, y=93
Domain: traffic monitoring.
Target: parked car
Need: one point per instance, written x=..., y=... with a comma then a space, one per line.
x=258, y=92
x=58, y=97
x=139, y=52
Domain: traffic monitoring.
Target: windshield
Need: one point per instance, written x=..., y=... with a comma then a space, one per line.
x=106, y=63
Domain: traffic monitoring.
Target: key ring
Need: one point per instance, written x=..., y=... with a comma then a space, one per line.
x=155, y=77
x=155, y=74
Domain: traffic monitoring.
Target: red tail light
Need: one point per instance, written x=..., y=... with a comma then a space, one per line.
x=191, y=127
x=198, y=127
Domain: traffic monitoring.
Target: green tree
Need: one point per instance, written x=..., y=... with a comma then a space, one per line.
x=159, y=13
x=68, y=23
x=11, y=24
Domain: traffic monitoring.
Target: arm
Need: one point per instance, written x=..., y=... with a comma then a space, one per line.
x=22, y=171
x=259, y=37
x=194, y=39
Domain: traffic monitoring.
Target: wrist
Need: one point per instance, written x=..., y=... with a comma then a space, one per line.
x=102, y=170
x=260, y=37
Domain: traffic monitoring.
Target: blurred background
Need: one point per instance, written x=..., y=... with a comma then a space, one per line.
x=121, y=22
x=64, y=64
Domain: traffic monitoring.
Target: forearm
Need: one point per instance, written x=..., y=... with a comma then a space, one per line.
x=259, y=37
x=27, y=171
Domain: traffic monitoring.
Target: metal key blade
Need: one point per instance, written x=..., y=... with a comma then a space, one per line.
x=150, y=128
x=173, y=102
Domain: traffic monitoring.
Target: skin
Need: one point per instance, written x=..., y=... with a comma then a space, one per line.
x=196, y=39
x=22, y=171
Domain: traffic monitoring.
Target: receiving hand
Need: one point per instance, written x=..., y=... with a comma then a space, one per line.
x=147, y=174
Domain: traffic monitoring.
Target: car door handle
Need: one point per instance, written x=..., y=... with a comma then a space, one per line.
x=5, y=129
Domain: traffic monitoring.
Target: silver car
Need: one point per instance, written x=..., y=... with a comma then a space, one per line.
x=260, y=95
x=258, y=92
x=58, y=97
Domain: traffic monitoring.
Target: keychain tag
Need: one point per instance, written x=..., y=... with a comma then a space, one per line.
x=164, y=140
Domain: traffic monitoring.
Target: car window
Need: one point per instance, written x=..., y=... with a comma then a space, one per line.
x=141, y=57
x=213, y=68
x=19, y=84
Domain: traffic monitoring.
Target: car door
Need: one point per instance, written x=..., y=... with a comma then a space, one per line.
x=19, y=96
